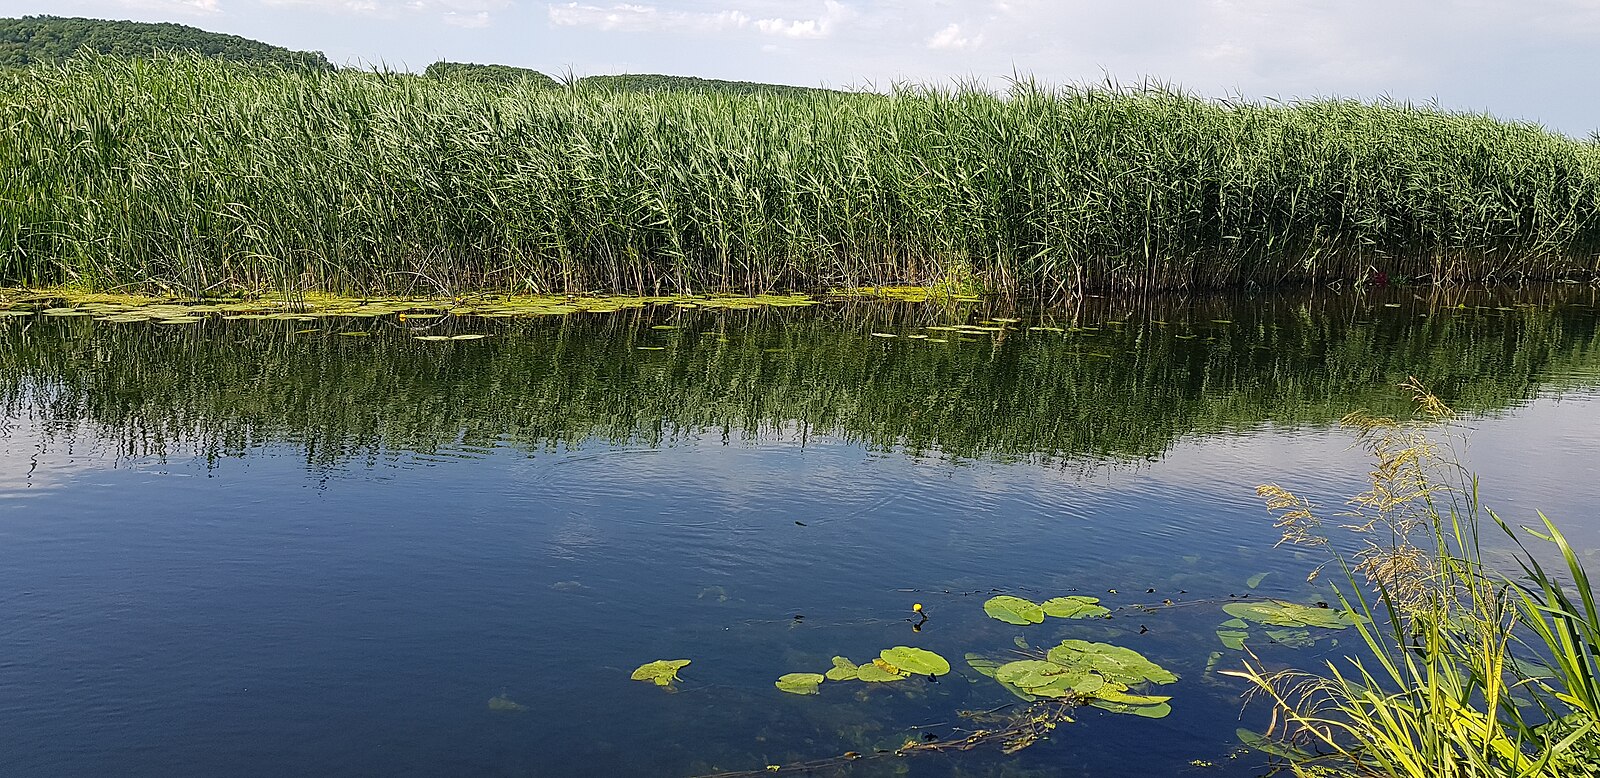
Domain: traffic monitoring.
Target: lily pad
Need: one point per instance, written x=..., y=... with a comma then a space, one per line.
x=1132, y=699
x=1158, y=711
x=799, y=683
x=1073, y=607
x=878, y=671
x=984, y=665
x=1076, y=682
x=1255, y=580
x=1029, y=673
x=916, y=661
x=468, y=337
x=843, y=670
x=1279, y=613
x=504, y=704
x=1233, y=638
x=1114, y=663
x=1294, y=638
x=661, y=672
x=1267, y=745
x=1013, y=610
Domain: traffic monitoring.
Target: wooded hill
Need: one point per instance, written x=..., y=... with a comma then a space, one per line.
x=44, y=39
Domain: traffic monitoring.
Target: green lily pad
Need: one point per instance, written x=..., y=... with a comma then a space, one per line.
x=661, y=672
x=877, y=671
x=504, y=704
x=1255, y=580
x=1111, y=695
x=1013, y=610
x=1233, y=638
x=843, y=670
x=916, y=661
x=1075, y=682
x=799, y=683
x=1030, y=674
x=1148, y=711
x=1279, y=613
x=1267, y=745
x=1294, y=638
x=985, y=666
x=468, y=337
x=1115, y=663
x=1073, y=607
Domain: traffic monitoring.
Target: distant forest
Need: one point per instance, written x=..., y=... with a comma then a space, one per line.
x=650, y=83
x=487, y=74
x=505, y=74
x=44, y=39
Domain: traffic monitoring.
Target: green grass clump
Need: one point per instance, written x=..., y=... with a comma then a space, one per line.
x=201, y=175
x=1470, y=672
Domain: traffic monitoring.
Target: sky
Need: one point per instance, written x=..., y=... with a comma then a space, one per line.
x=1530, y=60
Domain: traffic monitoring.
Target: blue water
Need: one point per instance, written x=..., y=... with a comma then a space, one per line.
x=188, y=587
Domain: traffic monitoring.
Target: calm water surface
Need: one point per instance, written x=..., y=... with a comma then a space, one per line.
x=241, y=548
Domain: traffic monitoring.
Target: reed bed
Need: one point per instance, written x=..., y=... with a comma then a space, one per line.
x=203, y=175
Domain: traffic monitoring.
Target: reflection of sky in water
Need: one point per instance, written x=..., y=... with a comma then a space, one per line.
x=26, y=462
x=362, y=615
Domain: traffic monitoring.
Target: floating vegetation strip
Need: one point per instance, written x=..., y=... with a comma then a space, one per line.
x=195, y=174
x=547, y=380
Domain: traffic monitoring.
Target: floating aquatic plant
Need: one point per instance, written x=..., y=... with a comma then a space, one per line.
x=917, y=661
x=799, y=683
x=1280, y=613
x=1016, y=610
x=1073, y=607
x=1291, y=617
x=661, y=672
x=504, y=704
x=1098, y=674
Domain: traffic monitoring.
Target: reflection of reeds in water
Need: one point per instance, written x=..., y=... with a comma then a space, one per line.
x=202, y=175
x=223, y=387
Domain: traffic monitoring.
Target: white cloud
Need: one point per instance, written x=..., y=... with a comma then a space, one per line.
x=630, y=17
x=479, y=19
x=952, y=38
x=460, y=13
x=195, y=7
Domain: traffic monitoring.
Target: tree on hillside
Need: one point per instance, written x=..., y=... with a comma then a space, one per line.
x=658, y=83
x=487, y=74
x=42, y=39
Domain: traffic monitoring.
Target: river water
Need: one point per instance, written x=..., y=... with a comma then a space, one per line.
x=269, y=548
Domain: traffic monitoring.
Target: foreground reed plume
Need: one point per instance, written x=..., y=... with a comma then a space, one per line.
x=1470, y=672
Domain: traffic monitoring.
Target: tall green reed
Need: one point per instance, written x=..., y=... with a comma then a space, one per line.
x=198, y=174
